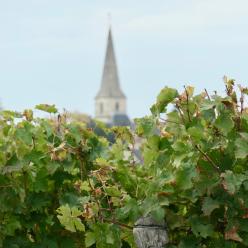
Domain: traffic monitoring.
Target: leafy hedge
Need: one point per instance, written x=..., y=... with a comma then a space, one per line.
x=62, y=185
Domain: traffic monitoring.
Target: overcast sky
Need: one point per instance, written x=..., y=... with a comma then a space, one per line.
x=52, y=51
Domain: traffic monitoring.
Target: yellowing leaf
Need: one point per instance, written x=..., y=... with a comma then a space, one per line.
x=233, y=235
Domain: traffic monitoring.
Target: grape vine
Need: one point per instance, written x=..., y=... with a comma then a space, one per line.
x=63, y=185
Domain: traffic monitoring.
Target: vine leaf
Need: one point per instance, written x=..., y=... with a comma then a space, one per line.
x=166, y=96
x=225, y=123
x=24, y=135
x=241, y=146
x=68, y=217
x=200, y=228
x=90, y=239
x=47, y=108
x=144, y=126
x=209, y=205
x=233, y=235
x=231, y=182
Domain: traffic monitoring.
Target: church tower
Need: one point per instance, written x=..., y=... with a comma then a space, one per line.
x=110, y=102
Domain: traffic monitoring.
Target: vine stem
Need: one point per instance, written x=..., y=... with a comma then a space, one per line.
x=81, y=170
x=242, y=102
x=97, y=201
x=207, y=94
x=132, y=149
x=180, y=113
x=216, y=167
x=187, y=97
x=6, y=186
x=174, y=122
x=109, y=202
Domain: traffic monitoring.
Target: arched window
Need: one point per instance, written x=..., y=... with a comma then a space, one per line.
x=101, y=108
x=116, y=106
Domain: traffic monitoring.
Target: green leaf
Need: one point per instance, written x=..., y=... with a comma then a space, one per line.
x=145, y=126
x=225, y=123
x=90, y=239
x=130, y=210
x=207, y=105
x=41, y=181
x=243, y=225
x=106, y=235
x=188, y=242
x=200, y=227
x=196, y=133
x=84, y=186
x=110, y=238
x=7, y=114
x=184, y=177
x=52, y=167
x=166, y=96
x=209, y=205
x=11, y=225
x=241, y=145
x=151, y=206
x=66, y=242
x=232, y=182
x=24, y=135
x=10, y=169
x=47, y=108
x=113, y=191
x=68, y=217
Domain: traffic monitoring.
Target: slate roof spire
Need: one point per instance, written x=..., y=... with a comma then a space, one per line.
x=110, y=86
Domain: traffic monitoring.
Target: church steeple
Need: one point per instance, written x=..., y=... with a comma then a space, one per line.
x=110, y=86
x=110, y=100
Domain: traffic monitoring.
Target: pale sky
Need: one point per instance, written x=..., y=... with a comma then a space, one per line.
x=52, y=51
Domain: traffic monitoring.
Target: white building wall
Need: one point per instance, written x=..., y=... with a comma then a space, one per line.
x=106, y=107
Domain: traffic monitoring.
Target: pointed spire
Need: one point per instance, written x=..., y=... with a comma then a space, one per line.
x=110, y=86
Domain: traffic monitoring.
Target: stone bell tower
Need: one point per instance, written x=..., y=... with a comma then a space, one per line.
x=110, y=102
